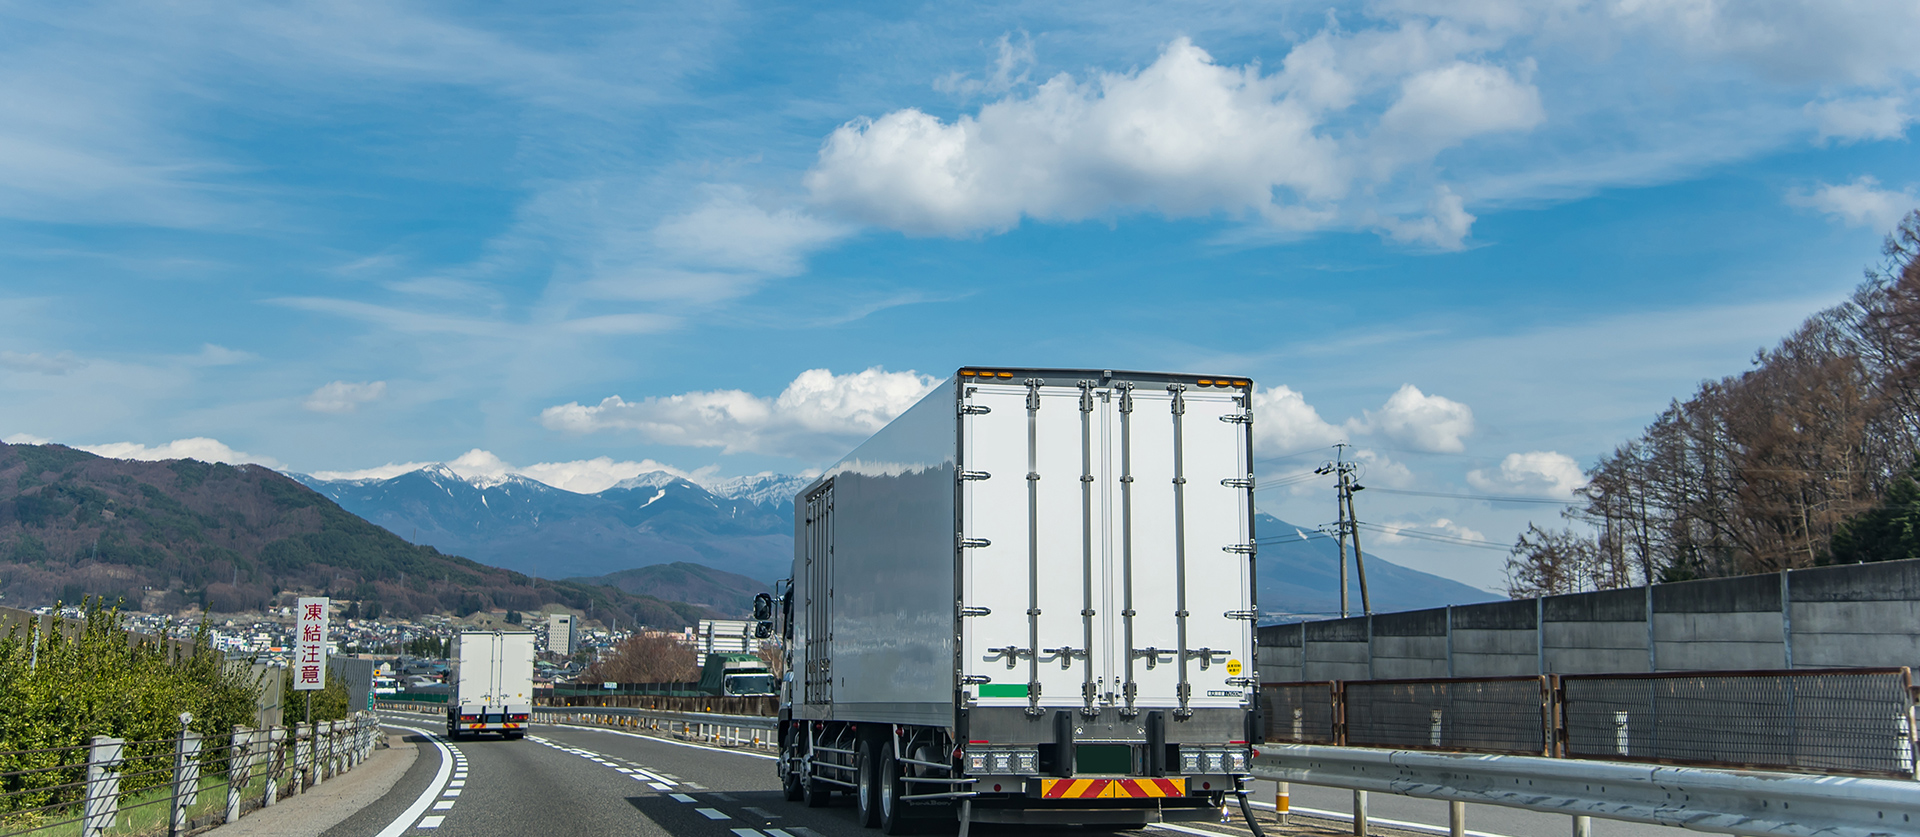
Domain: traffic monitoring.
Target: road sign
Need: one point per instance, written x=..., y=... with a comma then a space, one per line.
x=310, y=644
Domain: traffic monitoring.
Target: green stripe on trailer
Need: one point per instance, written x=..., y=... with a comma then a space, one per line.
x=1003, y=690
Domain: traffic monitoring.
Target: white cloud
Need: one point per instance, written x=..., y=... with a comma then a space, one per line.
x=1284, y=423
x=35, y=362
x=198, y=447
x=1423, y=422
x=344, y=396
x=1860, y=203
x=1445, y=225
x=1377, y=468
x=1446, y=105
x=1009, y=71
x=730, y=232
x=1538, y=473
x=818, y=414
x=1391, y=531
x=26, y=439
x=1859, y=42
x=1852, y=120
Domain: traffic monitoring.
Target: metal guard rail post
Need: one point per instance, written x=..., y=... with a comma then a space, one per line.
x=763, y=728
x=1701, y=799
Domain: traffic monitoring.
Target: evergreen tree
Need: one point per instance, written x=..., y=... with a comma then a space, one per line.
x=1887, y=532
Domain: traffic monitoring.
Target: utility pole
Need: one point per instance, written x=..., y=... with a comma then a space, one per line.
x=1349, y=524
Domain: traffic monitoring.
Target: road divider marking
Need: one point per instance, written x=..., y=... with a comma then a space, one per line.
x=408, y=817
x=431, y=822
x=450, y=792
x=745, y=832
x=659, y=786
x=680, y=797
x=443, y=806
x=711, y=813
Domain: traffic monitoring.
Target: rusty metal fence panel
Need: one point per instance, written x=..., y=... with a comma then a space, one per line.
x=1477, y=714
x=1857, y=721
x=1301, y=713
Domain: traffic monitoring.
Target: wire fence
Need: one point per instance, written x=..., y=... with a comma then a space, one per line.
x=111, y=787
x=1482, y=715
x=1836, y=721
x=1841, y=721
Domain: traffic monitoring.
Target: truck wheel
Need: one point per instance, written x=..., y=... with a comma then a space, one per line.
x=790, y=778
x=867, y=795
x=893, y=814
x=819, y=794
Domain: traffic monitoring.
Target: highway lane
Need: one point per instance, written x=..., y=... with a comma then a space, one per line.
x=584, y=780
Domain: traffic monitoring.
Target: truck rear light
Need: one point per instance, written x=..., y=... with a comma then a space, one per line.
x=1004, y=761
x=976, y=762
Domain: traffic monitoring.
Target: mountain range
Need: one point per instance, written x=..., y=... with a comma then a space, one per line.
x=651, y=533
x=166, y=536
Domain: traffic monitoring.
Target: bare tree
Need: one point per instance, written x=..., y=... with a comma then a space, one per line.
x=648, y=658
x=1546, y=563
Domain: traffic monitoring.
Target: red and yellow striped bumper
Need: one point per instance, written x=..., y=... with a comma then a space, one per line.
x=1111, y=788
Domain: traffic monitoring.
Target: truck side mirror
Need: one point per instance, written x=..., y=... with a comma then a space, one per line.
x=763, y=608
x=763, y=630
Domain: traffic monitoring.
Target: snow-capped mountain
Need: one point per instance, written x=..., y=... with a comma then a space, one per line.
x=744, y=525
x=526, y=525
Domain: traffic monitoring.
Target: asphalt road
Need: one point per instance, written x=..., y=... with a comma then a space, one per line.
x=573, y=781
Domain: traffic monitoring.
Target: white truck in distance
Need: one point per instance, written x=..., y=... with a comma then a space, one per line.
x=492, y=684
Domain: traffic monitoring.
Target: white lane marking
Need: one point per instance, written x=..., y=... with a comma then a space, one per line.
x=650, y=776
x=406, y=819
x=681, y=797
x=711, y=813
x=723, y=797
x=671, y=776
x=1411, y=826
x=430, y=822
x=745, y=832
x=775, y=832
x=695, y=785
x=624, y=769
x=659, y=786
x=457, y=783
x=450, y=792
x=446, y=805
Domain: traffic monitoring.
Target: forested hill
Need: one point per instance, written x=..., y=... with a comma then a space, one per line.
x=166, y=535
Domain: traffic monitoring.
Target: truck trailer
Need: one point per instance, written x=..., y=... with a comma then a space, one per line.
x=492, y=684
x=1029, y=599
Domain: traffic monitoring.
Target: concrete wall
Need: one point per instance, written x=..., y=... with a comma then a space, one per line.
x=1857, y=615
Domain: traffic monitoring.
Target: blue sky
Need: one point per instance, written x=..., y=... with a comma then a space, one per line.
x=1484, y=242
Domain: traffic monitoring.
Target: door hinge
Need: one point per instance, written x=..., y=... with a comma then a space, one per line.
x=1243, y=681
x=975, y=679
x=1238, y=482
x=976, y=611
x=1248, y=615
x=1237, y=418
x=1240, y=548
x=975, y=543
x=974, y=475
x=975, y=409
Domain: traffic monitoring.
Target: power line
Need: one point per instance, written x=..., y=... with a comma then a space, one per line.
x=1494, y=498
x=1430, y=536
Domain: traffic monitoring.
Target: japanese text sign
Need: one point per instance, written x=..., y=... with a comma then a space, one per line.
x=310, y=644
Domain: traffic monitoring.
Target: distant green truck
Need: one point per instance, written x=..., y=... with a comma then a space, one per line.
x=736, y=675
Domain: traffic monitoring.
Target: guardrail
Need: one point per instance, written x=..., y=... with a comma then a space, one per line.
x=140, y=787
x=1700, y=799
x=1838, y=721
x=750, y=731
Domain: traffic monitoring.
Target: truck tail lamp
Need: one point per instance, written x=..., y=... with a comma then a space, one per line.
x=1198, y=761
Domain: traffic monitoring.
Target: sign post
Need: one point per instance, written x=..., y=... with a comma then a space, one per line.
x=310, y=648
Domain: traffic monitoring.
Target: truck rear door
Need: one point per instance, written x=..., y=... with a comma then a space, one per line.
x=1105, y=529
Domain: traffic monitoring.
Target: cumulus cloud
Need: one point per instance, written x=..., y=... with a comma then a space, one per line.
x=1392, y=531
x=818, y=414
x=582, y=476
x=1377, y=468
x=1444, y=226
x=1183, y=136
x=1861, y=203
x=198, y=447
x=344, y=396
x=35, y=362
x=1423, y=422
x=1537, y=473
x=1283, y=422
x=1854, y=120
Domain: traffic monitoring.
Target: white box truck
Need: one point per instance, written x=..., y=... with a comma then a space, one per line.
x=492, y=684
x=1029, y=599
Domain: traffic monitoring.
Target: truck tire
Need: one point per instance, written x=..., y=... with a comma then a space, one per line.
x=790, y=778
x=819, y=794
x=867, y=796
x=893, y=812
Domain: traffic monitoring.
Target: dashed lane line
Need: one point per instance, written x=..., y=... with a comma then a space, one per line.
x=711, y=813
x=408, y=817
x=680, y=797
